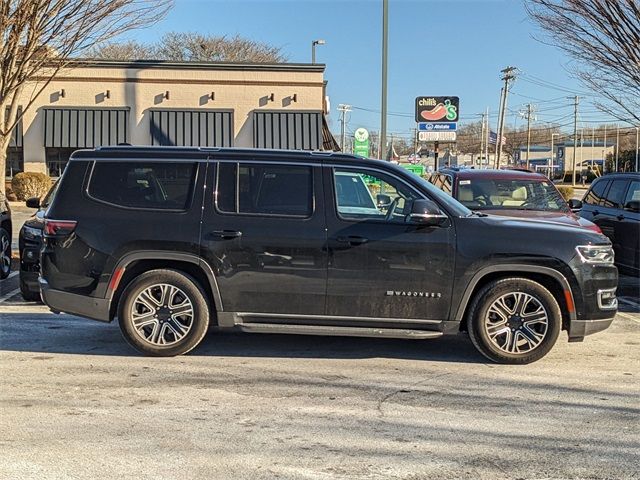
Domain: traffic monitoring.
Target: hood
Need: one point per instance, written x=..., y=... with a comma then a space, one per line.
x=565, y=218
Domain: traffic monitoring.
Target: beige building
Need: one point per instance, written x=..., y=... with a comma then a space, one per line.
x=94, y=103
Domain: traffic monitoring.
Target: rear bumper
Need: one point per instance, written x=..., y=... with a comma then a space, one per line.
x=81, y=305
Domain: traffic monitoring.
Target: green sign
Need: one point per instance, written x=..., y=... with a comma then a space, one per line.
x=361, y=142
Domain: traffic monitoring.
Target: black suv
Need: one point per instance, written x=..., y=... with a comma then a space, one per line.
x=5, y=237
x=171, y=240
x=613, y=203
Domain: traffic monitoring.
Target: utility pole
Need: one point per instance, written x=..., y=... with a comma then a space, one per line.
x=617, y=144
x=509, y=74
x=486, y=139
x=385, y=42
x=343, y=109
x=529, y=112
x=415, y=141
x=604, y=150
x=637, y=146
x=482, y=135
x=575, y=140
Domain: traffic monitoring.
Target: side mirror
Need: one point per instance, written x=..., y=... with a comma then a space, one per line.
x=33, y=202
x=575, y=204
x=383, y=200
x=426, y=212
x=633, y=205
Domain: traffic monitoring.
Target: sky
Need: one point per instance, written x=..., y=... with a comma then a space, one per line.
x=436, y=47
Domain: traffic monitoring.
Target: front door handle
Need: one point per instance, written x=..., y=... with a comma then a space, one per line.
x=595, y=212
x=620, y=217
x=225, y=234
x=352, y=240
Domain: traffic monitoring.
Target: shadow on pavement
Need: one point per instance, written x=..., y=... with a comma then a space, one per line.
x=44, y=333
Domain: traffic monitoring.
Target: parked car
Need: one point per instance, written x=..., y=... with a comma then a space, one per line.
x=171, y=240
x=5, y=237
x=613, y=203
x=30, y=243
x=512, y=193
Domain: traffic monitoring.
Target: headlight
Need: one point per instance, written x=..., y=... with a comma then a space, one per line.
x=31, y=233
x=595, y=253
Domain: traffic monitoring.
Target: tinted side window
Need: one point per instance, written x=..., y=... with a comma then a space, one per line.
x=633, y=194
x=615, y=195
x=594, y=197
x=157, y=185
x=265, y=189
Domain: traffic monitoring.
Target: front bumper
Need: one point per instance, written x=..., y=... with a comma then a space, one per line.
x=81, y=305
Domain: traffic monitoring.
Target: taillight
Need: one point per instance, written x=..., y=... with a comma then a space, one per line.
x=59, y=227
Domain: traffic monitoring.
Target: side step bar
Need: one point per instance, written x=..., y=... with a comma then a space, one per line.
x=337, y=331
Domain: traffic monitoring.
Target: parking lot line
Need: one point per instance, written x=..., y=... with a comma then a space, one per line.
x=9, y=295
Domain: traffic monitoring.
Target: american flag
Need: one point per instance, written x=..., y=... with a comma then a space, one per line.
x=493, y=138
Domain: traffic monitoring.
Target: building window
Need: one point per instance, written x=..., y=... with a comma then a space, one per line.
x=57, y=159
x=15, y=161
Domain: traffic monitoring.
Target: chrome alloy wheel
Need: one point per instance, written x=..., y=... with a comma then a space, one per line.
x=162, y=314
x=516, y=323
x=5, y=254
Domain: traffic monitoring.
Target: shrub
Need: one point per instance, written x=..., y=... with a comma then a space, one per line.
x=566, y=191
x=30, y=184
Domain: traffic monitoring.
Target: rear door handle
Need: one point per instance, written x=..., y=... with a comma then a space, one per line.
x=620, y=217
x=595, y=212
x=352, y=240
x=225, y=234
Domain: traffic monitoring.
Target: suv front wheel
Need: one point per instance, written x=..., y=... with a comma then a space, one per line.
x=163, y=313
x=514, y=320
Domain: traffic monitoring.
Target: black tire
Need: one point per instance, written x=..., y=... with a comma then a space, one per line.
x=483, y=316
x=5, y=253
x=29, y=295
x=131, y=304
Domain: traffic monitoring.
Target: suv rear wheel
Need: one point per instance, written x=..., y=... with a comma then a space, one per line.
x=514, y=320
x=163, y=313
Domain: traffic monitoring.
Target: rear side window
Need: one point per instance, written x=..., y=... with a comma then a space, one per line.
x=615, y=195
x=633, y=194
x=594, y=197
x=284, y=190
x=144, y=185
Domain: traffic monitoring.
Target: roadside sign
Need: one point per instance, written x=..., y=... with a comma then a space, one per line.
x=361, y=142
x=437, y=136
x=437, y=109
x=437, y=127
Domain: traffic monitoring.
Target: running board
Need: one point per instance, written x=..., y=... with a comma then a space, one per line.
x=337, y=331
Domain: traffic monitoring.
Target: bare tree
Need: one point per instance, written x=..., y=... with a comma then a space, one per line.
x=39, y=37
x=604, y=37
x=193, y=47
x=129, y=50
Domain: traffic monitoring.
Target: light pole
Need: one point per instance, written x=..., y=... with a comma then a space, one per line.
x=383, y=101
x=313, y=49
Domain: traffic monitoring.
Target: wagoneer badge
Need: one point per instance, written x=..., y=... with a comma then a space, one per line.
x=397, y=293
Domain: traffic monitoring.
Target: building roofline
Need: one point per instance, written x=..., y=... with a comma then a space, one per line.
x=172, y=65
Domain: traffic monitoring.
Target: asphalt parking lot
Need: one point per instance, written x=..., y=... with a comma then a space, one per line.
x=77, y=402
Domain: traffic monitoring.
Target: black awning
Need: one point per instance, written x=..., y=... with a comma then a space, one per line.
x=328, y=140
x=288, y=130
x=85, y=127
x=191, y=128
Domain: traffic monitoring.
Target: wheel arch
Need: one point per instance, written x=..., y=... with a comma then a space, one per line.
x=550, y=278
x=133, y=264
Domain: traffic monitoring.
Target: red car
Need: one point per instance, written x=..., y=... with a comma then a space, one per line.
x=510, y=193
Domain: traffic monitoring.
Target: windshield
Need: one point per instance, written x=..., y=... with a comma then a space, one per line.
x=498, y=194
